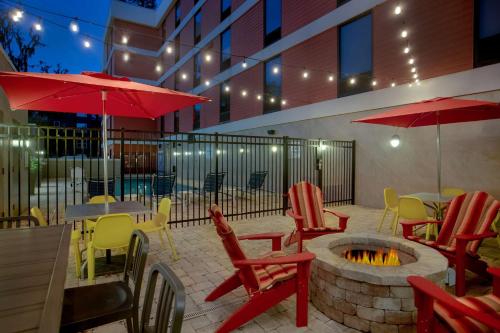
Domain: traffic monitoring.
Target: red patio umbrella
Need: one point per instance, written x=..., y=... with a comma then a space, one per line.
x=92, y=93
x=437, y=111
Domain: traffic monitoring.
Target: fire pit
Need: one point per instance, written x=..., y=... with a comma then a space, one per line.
x=360, y=279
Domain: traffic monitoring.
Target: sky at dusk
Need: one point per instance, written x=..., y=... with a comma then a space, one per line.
x=63, y=46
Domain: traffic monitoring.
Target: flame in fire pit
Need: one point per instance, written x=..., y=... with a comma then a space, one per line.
x=375, y=258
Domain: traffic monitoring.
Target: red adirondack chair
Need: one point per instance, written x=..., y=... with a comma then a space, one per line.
x=309, y=214
x=439, y=311
x=467, y=222
x=268, y=280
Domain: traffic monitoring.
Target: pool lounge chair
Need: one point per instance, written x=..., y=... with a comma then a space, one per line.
x=253, y=188
x=211, y=185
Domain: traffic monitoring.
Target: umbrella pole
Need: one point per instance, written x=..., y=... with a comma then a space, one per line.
x=105, y=147
x=438, y=143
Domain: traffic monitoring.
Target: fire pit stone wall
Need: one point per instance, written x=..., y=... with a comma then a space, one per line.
x=369, y=298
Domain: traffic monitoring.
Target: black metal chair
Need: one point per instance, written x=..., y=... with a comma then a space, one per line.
x=170, y=303
x=96, y=187
x=11, y=222
x=213, y=182
x=256, y=180
x=162, y=186
x=96, y=305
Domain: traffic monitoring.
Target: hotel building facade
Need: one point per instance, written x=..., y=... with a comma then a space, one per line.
x=308, y=68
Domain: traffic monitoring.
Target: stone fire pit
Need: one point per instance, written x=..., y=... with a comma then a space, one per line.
x=370, y=298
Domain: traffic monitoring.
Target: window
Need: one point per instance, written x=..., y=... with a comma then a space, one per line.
x=272, y=85
x=177, y=13
x=225, y=9
x=225, y=102
x=197, y=27
x=197, y=70
x=355, y=53
x=225, y=49
x=272, y=14
x=196, y=116
x=176, y=121
x=342, y=2
x=486, y=32
x=177, y=47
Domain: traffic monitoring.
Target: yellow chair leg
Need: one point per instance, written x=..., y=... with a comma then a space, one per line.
x=77, y=255
x=436, y=232
x=428, y=231
x=382, y=220
x=162, y=241
x=170, y=238
x=91, y=264
x=395, y=221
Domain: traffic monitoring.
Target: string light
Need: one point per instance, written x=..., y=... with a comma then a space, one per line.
x=227, y=88
x=406, y=50
x=330, y=78
x=207, y=82
x=124, y=40
x=274, y=149
x=415, y=75
x=305, y=74
x=208, y=57
x=158, y=68
x=413, y=69
x=276, y=70
x=283, y=102
x=126, y=57
x=73, y=26
x=169, y=49
x=184, y=76
x=411, y=61
x=272, y=100
x=352, y=80
x=17, y=15
x=404, y=33
x=244, y=93
x=398, y=10
x=410, y=85
x=86, y=43
x=244, y=64
x=38, y=26
x=393, y=84
x=374, y=83
x=259, y=97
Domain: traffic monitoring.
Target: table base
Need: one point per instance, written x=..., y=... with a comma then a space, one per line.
x=103, y=267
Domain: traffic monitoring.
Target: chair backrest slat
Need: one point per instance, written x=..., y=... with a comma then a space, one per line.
x=135, y=262
x=307, y=201
x=171, y=301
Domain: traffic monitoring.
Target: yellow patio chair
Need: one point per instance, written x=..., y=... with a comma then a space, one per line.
x=111, y=232
x=75, y=239
x=160, y=223
x=414, y=209
x=391, y=201
x=90, y=224
x=452, y=191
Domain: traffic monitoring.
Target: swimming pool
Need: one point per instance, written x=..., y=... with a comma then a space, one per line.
x=141, y=185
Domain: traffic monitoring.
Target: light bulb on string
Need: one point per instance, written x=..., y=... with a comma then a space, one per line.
x=393, y=84
x=374, y=83
x=276, y=70
x=352, y=80
x=208, y=57
x=126, y=56
x=272, y=100
x=413, y=69
x=244, y=64
x=37, y=26
x=158, y=68
x=124, y=40
x=406, y=50
x=73, y=26
x=227, y=88
x=411, y=61
x=244, y=93
x=184, y=76
x=207, y=82
x=415, y=75
x=86, y=43
x=169, y=49
x=398, y=10
x=283, y=102
x=259, y=97
x=404, y=33
x=330, y=78
x=305, y=74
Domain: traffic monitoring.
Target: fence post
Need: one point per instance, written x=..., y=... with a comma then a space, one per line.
x=216, y=168
x=285, y=175
x=319, y=164
x=122, y=164
x=353, y=172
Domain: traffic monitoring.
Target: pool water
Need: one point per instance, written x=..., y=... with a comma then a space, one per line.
x=143, y=186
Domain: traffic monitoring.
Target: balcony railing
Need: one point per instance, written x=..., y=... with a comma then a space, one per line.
x=149, y=4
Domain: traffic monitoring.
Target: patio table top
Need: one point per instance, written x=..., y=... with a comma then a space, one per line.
x=32, y=276
x=93, y=211
x=430, y=197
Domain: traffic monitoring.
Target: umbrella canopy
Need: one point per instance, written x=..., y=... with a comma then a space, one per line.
x=442, y=110
x=92, y=93
x=82, y=93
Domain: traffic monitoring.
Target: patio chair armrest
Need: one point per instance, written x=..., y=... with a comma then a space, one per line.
x=269, y=235
x=473, y=237
x=409, y=224
x=299, y=220
x=343, y=218
x=425, y=294
x=291, y=259
x=275, y=237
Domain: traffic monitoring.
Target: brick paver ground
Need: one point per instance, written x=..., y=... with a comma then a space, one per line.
x=204, y=264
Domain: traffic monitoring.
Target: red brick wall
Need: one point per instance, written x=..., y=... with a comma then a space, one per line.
x=318, y=56
x=246, y=33
x=252, y=81
x=440, y=34
x=187, y=37
x=210, y=16
x=138, y=35
x=210, y=110
x=137, y=66
x=297, y=13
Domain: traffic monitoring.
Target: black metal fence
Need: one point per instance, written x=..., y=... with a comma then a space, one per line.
x=248, y=176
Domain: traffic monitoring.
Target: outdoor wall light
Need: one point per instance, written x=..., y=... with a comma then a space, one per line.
x=201, y=152
x=272, y=100
x=395, y=141
x=322, y=146
x=20, y=143
x=352, y=81
x=274, y=149
x=242, y=150
x=176, y=153
x=218, y=152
